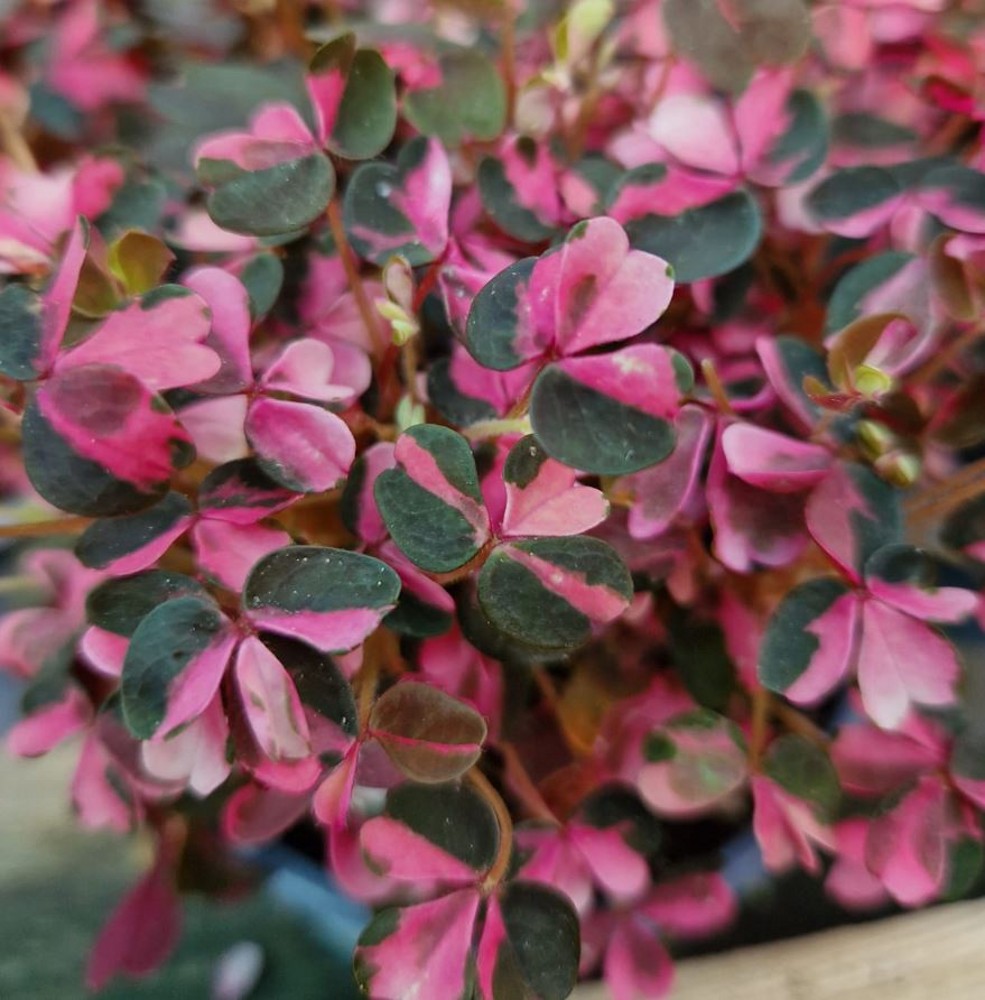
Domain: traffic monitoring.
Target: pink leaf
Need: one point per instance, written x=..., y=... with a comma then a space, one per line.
x=104, y=651
x=426, y=954
x=902, y=662
x=102, y=794
x=277, y=134
x=752, y=526
x=229, y=336
x=665, y=490
x=936, y=604
x=616, y=867
x=228, y=551
x=554, y=860
x=696, y=131
x=216, y=427
x=302, y=446
x=772, y=461
x=110, y=418
x=192, y=691
x=598, y=602
x=671, y=193
x=45, y=728
x=786, y=829
x=500, y=390
x=195, y=755
x=414, y=581
x=158, y=341
x=365, y=521
x=348, y=866
x=760, y=119
x=906, y=849
x=305, y=368
x=331, y=800
x=533, y=175
x=637, y=965
x=325, y=89
x=271, y=703
x=692, y=906
x=56, y=301
x=704, y=764
x=595, y=290
x=256, y=815
x=642, y=376
x=552, y=502
x=424, y=197
x=837, y=633
x=400, y=853
x=142, y=930
x=872, y=761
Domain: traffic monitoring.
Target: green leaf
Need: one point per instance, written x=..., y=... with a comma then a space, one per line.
x=121, y=604
x=262, y=277
x=418, y=619
x=803, y=147
x=173, y=639
x=367, y=115
x=430, y=736
x=727, y=49
x=450, y=401
x=500, y=200
x=319, y=682
x=846, y=302
x=73, y=483
x=138, y=204
x=278, y=200
x=394, y=210
x=547, y=592
x=618, y=806
x=329, y=597
x=589, y=430
x=806, y=771
x=964, y=868
x=431, y=503
x=452, y=817
x=702, y=242
x=701, y=660
x=850, y=192
x=20, y=321
x=540, y=954
x=494, y=317
x=469, y=103
x=790, y=644
x=109, y=540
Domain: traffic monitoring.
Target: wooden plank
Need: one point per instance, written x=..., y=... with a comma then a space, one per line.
x=936, y=954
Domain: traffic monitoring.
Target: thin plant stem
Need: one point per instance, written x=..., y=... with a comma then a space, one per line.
x=715, y=386
x=351, y=267
x=759, y=728
x=46, y=529
x=501, y=863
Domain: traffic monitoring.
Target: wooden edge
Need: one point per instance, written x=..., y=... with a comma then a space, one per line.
x=936, y=954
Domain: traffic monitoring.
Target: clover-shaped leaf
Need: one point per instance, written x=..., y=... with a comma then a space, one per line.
x=429, y=735
x=401, y=209
x=549, y=592
x=431, y=501
x=328, y=597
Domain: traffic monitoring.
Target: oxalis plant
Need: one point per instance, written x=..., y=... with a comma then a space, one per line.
x=536, y=444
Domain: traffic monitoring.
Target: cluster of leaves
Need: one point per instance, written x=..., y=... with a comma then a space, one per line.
x=535, y=443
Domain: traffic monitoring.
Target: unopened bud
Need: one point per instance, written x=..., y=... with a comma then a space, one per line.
x=871, y=381
x=899, y=468
x=875, y=438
